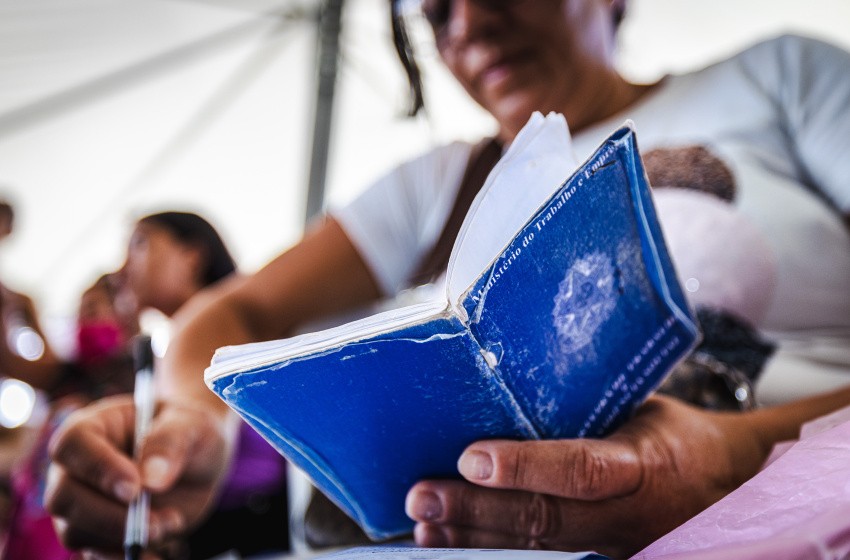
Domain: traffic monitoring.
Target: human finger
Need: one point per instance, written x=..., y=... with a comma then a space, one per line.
x=83, y=517
x=581, y=469
x=442, y=536
x=90, y=447
x=89, y=554
x=523, y=518
x=179, y=441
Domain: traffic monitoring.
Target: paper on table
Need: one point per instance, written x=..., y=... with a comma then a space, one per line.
x=414, y=553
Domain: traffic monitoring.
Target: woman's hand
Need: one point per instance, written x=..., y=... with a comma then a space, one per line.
x=93, y=478
x=614, y=495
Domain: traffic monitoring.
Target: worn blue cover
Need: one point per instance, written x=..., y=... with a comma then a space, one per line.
x=582, y=313
x=367, y=420
x=564, y=335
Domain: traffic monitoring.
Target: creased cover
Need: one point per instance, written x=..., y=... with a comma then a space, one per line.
x=582, y=315
x=368, y=419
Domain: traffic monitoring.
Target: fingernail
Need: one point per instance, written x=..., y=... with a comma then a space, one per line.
x=155, y=470
x=173, y=522
x=155, y=530
x=124, y=491
x=169, y=523
x=475, y=465
x=425, y=506
x=430, y=536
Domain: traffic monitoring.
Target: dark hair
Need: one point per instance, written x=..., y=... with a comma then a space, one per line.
x=404, y=49
x=193, y=229
x=619, y=15
x=107, y=283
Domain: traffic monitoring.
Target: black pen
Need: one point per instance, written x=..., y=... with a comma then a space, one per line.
x=136, y=531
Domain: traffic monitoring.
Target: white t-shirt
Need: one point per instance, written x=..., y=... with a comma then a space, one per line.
x=396, y=221
x=778, y=116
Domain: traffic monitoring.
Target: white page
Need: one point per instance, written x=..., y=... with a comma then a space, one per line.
x=231, y=359
x=538, y=161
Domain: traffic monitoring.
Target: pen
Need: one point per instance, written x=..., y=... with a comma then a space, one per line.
x=136, y=531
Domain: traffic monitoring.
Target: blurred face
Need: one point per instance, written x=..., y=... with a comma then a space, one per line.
x=161, y=271
x=96, y=306
x=517, y=56
x=102, y=330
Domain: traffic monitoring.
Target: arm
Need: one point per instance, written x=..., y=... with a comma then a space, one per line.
x=614, y=495
x=320, y=276
x=189, y=446
x=42, y=372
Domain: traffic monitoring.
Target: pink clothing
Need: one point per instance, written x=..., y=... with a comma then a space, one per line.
x=30, y=533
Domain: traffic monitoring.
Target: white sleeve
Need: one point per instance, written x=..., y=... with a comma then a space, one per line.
x=813, y=85
x=395, y=221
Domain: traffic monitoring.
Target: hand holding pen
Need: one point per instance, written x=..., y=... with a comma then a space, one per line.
x=136, y=531
x=92, y=479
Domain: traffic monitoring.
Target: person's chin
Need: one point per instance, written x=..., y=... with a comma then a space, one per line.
x=513, y=111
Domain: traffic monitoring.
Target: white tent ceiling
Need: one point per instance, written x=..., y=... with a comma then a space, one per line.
x=112, y=108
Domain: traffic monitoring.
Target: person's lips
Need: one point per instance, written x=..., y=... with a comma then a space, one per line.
x=499, y=71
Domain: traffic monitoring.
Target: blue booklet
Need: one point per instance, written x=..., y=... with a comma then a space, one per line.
x=561, y=314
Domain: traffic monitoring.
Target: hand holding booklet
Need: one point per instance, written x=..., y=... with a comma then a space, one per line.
x=562, y=312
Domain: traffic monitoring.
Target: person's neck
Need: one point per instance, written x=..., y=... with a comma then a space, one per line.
x=169, y=309
x=601, y=100
x=605, y=101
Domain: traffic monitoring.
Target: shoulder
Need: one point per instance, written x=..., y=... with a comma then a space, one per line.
x=434, y=164
x=419, y=179
x=789, y=45
x=400, y=214
x=17, y=299
x=791, y=54
x=786, y=69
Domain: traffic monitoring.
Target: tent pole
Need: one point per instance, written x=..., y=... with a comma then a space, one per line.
x=330, y=26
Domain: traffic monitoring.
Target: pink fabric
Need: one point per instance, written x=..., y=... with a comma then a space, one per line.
x=797, y=507
x=257, y=469
x=98, y=341
x=30, y=532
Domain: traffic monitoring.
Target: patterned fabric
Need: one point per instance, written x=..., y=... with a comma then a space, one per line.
x=722, y=370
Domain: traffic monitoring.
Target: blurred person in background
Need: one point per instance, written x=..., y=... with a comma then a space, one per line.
x=27, y=364
x=171, y=257
x=106, y=322
x=102, y=366
x=24, y=350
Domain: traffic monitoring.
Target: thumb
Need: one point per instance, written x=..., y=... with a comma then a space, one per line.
x=168, y=449
x=581, y=469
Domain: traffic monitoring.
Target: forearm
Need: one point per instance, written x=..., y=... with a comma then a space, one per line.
x=207, y=322
x=750, y=437
x=322, y=275
x=783, y=422
x=41, y=371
